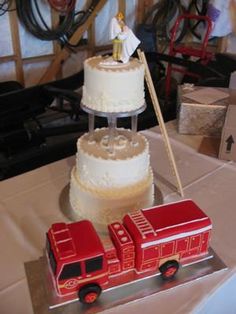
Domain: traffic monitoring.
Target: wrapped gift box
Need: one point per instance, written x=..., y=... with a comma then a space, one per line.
x=201, y=110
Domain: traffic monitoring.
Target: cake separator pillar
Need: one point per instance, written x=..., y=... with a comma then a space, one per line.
x=112, y=123
x=134, y=128
x=91, y=120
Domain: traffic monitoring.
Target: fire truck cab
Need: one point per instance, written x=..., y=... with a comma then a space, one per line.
x=77, y=259
x=147, y=241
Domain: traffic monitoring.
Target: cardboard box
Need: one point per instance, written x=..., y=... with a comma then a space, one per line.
x=232, y=89
x=228, y=138
x=201, y=110
x=227, y=149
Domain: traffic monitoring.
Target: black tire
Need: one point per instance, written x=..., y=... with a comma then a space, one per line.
x=89, y=293
x=169, y=269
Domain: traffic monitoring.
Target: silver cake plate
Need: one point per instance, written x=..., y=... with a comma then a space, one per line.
x=45, y=300
x=119, y=114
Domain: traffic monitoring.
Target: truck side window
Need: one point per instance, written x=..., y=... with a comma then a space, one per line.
x=70, y=270
x=94, y=264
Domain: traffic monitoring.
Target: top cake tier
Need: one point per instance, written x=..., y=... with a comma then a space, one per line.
x=110, y=87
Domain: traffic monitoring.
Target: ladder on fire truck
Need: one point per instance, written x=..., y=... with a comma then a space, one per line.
x=63, y=240
x=142, y=224
x=160, y=121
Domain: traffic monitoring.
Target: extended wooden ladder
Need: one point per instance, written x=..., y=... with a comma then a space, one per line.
x=142, y=224
x=160, y=120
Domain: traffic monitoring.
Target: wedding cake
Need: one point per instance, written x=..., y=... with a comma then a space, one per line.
x=112, y=173
x=105, y=186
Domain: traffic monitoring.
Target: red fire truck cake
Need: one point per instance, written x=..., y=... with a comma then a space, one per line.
x=148, y=241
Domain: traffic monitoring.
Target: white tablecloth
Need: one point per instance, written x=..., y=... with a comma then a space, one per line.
x=31, y=202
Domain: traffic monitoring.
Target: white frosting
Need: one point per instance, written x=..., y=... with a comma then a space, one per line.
x=127, y=165
x=103, y=206
x=113, y=88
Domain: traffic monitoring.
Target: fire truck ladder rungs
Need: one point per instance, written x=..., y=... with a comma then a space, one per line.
x=142, y=223
x=67, y=238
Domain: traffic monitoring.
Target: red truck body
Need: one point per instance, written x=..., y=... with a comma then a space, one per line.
x=151, y=240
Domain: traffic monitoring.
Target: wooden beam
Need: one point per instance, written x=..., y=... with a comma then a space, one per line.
x=142, y=8
x=8, y=58
x=64, y=53
x=103, y=48
x=55, y=20
x=91, y=39
x=16, y=46
x=41, y=58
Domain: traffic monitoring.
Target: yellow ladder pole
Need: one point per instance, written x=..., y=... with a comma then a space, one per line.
x=160, y=121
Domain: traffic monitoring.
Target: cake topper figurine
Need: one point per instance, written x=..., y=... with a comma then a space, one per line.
x=124, y=40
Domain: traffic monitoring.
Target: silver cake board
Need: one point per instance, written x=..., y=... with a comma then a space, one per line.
x=44, y=299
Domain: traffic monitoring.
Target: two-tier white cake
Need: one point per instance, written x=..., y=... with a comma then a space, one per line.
x=104, y=185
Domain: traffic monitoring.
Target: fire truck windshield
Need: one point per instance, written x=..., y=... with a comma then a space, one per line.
x=70, y=270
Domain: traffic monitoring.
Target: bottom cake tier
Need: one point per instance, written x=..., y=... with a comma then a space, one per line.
x=103, y=206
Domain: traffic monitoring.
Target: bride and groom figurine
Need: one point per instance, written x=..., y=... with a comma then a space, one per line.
x=124, y=40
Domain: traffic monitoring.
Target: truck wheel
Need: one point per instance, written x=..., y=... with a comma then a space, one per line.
x=169, y=269
x=89, y=294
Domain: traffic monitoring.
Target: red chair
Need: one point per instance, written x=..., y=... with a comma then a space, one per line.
x=187, y=49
